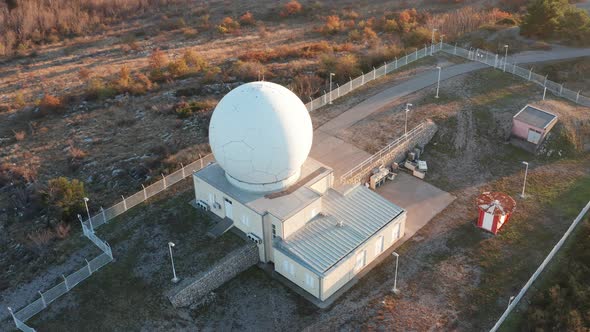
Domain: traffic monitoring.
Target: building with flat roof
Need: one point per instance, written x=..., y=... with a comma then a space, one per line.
x=265, y=186
x=532, y=124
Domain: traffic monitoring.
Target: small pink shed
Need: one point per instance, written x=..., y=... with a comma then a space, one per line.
x=532, y=124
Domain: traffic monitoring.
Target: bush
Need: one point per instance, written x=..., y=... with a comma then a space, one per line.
x=194, y=60
x=390, y=25
x=344, y=67
x=96, y=89
x=50, y=103
x=19, y=100
x=418, y=37
x=331, y=26
x=306, y=86
x=247, y=19
x=158, y=60
x=178, y=68
x=228, y=25
x=377, y=57
x=64, y=198
x=185, y=109
x=248, y=70
x=291, y=8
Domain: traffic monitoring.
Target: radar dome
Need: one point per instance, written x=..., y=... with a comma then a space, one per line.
x=260, y=134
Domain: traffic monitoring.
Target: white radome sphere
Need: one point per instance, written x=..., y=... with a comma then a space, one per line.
x=260, y=134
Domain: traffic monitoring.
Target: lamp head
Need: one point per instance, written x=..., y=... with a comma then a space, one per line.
x=86, y=199
x=395, y=254
x=171, y=244
x=525, y=163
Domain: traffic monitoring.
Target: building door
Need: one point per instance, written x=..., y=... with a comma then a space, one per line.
x=379, y=246
x=228, y=208
x=534, y=136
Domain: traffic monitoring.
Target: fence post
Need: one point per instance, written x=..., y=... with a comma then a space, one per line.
x=350, y=82
x=416, y=53
x=337, y=90
x=325, y=97
x=544, y=92
x=578, y=96
x=560, y=89
x=406, y=58
x=201, y=159
x=496, y=62
x=455, y=52
x=362, y=78
x=514, y=68
x=88, y=265
x=395, y=63
x=374, y=72
x=164, y=180
x=545, y=82
x=16, y=322
x=104, y=215
x=66, y=282
x=183, y=174
x=109, y=250
x=530, y=73
x=43, y=300
x=84, y=231
x=385, y=64
x=144, y=192
x=124, y=203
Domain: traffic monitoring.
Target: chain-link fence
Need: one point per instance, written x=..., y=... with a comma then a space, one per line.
x=376, y=73
x=69, y=282
x=501, y=63
x=88, y=228
x=126, y=203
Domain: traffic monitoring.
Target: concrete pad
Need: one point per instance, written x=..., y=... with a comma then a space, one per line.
x=336, y=153
x=421, y=200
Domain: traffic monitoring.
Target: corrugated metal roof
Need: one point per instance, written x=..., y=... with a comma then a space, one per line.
x=321, y=243
x=535, y=117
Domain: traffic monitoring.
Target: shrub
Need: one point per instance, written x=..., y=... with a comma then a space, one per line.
x=407, y=19
x=76, y=153
x=291, y=8
x=19, y=135
x=19, y=100
x=306, y=86
x=185, y=109
x=64, y=197
x=390, y=25
x=332, y=25
x=194, y=60
x=355, y=35
x=84, y=73
x=377, y=57
x=369, y=35
x=50, y=103
x=228, y=25
x=158, y=60
x=247, y=19
x=178, y=68
x=96, y=89
x=418, y=37
x=211, y=74
x=248, y=70
x=344, y=67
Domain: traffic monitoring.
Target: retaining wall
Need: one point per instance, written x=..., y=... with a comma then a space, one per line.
x=194, y=289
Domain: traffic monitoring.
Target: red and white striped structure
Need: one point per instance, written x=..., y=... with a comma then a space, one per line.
x=495, y=208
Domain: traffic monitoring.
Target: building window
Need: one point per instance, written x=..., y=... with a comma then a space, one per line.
x=289, y=267
x=309, y=280
x=395, y=232
x=274, y=231
x=379, y=246
x=245, y=220
x=361, y=259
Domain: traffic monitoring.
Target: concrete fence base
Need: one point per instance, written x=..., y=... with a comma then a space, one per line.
x=194, y=289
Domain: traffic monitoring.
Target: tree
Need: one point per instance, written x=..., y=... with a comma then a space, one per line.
x=543, y=17
x=575, y=24
x=64, y=197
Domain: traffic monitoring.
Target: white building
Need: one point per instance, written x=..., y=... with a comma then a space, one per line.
x=265, y=185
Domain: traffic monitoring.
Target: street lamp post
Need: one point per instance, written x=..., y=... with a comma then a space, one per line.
x=432, y=42
x=505, y=56
x=331, y=74
x=438, y=82
x=395, y=290
x=175, y=279
x=406, y=126
x=525, y=174
x=86, y=199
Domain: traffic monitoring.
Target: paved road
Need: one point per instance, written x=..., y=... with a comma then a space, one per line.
x=424, y=80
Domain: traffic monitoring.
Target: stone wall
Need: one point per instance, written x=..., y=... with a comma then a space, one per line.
x=194, y=289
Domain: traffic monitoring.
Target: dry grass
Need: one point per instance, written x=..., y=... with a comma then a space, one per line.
x=19, y=135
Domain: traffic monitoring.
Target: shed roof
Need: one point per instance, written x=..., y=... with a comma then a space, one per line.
x=322, y=243
x=535, y=117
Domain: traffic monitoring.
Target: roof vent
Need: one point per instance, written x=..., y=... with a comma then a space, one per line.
x=340, y=223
